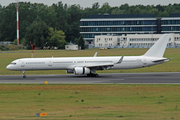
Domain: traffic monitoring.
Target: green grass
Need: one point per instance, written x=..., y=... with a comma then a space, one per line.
x=7, y=57
x=101, y=102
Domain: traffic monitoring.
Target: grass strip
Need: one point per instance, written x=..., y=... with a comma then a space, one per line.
x=79, y=102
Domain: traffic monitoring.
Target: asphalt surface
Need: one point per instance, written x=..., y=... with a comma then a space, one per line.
x=119, y=78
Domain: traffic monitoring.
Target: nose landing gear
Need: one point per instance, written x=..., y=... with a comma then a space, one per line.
x=24, y=76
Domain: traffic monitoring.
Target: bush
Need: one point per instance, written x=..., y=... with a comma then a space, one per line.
x=10, y=47
x=3, y=48
x=28, y=48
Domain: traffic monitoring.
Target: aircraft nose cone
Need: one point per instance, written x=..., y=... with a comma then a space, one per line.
x=8, y=67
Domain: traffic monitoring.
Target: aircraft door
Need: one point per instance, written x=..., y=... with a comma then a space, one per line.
x=22, y=64
x=144, y=62
x=50, y=63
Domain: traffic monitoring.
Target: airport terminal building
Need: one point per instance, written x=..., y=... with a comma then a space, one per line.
x=133, y=41
x=134, y=25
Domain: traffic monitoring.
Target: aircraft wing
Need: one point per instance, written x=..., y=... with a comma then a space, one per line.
x=104, y=66
x=100, y=65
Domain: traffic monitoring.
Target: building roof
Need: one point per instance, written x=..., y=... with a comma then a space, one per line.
x=123, y=16
x=174, y=15
x=71, y=44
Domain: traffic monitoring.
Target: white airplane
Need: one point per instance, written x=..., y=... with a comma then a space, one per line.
x=89, y=65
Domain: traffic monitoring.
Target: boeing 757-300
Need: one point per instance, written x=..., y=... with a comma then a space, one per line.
x=89, y=65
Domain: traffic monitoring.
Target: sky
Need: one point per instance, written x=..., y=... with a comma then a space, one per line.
x=88, y=3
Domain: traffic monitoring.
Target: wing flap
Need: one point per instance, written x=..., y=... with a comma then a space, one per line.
x=105, y=64
x=100, y=65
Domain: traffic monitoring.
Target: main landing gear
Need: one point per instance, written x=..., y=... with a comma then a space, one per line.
x=92, y=75
x=24, y=76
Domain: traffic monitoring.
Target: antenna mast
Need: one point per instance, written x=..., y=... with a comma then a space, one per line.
x=17, y=23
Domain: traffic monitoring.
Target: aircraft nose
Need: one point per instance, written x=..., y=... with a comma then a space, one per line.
x=8, y=67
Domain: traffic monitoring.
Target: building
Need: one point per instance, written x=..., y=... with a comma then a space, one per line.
x=71, y=46
x=127, y=24
x=133, y=40
x=6, y=43
x=171, y=24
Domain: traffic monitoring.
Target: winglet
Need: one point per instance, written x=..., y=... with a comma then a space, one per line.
x=95, y=55
x=120, y=60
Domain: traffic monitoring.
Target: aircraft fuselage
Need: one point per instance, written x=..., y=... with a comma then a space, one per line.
x=68, y=63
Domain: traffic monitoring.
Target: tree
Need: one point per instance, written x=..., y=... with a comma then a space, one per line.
x=106, y=8
x=15, y=42
x=8, y=23
x=23, y=41
x=117, y=11
x=137, y=10
x=125, y=7
x=57, y=38
x=37, y=33
x=73, y=16
x=95, y=6
x=81, y=42
x=76, y=40
x=60, y=16
x=164, y=14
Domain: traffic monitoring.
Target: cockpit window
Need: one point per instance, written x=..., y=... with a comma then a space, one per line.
x=13, y=63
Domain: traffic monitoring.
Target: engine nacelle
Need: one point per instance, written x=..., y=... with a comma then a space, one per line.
x=69, y=71
x=81, y=70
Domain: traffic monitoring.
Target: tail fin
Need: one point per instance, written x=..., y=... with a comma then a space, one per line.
x=158, y=49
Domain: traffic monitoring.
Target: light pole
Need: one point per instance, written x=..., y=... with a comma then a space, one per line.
x=32, y=54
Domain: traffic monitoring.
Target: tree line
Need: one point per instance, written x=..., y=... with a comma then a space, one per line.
x=58, y=24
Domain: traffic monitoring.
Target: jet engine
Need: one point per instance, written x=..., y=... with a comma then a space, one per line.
x=81, y=70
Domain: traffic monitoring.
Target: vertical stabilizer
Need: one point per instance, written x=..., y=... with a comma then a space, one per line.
x=158, y=49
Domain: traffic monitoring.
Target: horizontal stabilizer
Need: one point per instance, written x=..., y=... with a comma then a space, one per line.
x=162, y=60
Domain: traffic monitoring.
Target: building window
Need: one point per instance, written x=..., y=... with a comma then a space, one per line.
x=96, y=29
x=137, y=22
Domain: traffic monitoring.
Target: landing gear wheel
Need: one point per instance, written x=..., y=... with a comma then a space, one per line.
x=97, y=75
x=92, y=75
x=24, y=76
